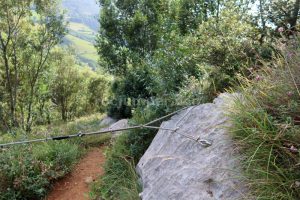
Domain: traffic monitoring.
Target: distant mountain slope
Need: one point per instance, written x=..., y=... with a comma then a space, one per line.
x=82, y=11
x=83, y=26
x=84, y=7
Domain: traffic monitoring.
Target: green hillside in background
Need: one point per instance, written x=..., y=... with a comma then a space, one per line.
x=82, y=28
x=81, y=39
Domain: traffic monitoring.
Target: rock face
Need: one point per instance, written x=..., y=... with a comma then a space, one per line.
x=196, y=162
x=123, y=123
x=107, y=121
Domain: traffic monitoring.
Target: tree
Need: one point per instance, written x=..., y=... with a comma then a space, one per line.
x=25, y=45
x=284, y=13
x=66, y=84
x=97, y=92
x=224, y=48
x=11, y=15
x=193, y=12
x=129, y=32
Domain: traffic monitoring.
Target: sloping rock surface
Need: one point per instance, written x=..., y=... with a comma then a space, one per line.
x=123, y=123
x=176, y=166
x=107, y=121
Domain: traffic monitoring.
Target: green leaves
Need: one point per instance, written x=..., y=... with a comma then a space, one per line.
x=129, y=32
x=26, y=172
x=25, y=44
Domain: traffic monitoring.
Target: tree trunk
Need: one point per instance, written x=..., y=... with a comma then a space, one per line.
x=294, y=18
x=29, y=110
x=9, y=88
x=263, y=21
x=64, y=114
x=63, y=111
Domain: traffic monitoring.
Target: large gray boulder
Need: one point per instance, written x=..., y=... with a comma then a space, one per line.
x=123, y=123
x=196, y=162
x=107, y=121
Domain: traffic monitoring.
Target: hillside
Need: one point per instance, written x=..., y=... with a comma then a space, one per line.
x=81, y=38
x=83, y=25
x=82, y=11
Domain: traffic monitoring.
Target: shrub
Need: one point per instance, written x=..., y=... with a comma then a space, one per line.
x=194, y=92
x=223, y=47
x=136, y=84
x=26, y=171
x=58, y=156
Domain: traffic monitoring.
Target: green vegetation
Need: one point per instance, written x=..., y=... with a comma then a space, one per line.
x=83, y=48
x=175, y=53
x=81, y=39
x=82, y=12
x=28, y=171
x=44, y=89
x=158, y=56
x=266, y=126
x=120, y=180
x=89, y=123
x=82, y=27
x=81, y=31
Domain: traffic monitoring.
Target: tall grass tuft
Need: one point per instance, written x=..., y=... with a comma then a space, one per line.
x=266, y=125
x=120, y=180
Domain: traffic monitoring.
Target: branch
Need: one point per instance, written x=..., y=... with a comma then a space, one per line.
x=1, y=42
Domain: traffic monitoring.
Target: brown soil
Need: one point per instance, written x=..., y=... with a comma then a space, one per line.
x=75, y=185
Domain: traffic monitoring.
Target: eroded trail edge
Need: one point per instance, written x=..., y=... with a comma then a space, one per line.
x=75, y=186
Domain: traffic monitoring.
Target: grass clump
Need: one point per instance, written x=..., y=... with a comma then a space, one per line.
x=120, y=180
x=266, y=126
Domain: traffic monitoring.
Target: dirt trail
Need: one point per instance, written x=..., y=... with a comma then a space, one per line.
x=75, y=185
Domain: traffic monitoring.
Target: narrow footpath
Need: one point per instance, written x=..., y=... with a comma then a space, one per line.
x=75, y=186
